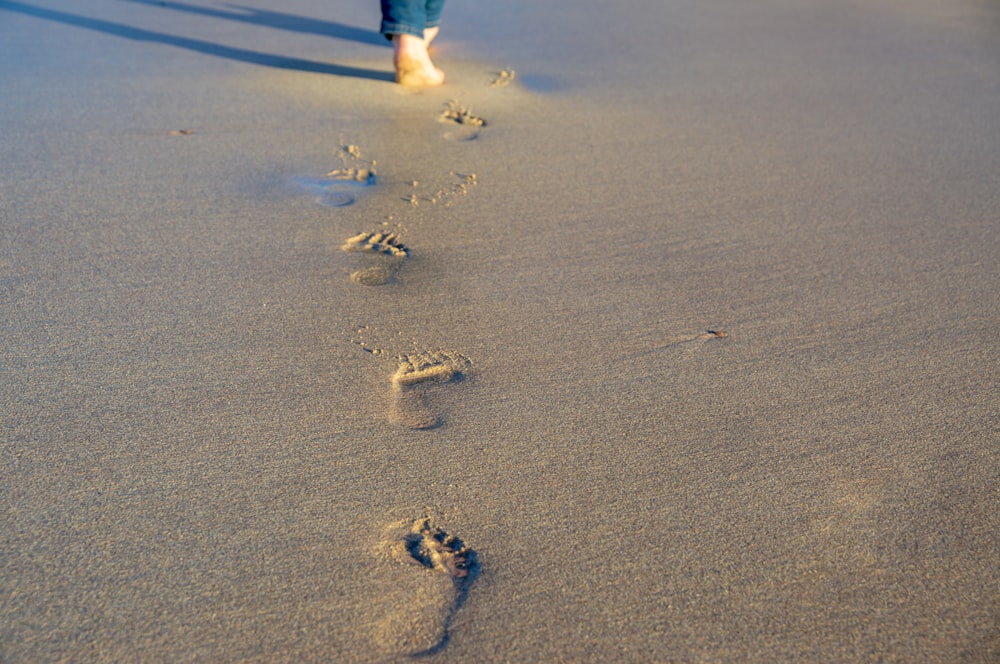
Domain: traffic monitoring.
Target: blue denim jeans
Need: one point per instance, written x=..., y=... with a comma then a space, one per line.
x=410, y=17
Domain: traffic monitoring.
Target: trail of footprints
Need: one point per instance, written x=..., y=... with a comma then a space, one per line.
x=442, y=567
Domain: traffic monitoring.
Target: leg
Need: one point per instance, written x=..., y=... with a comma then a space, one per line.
x=404, y=22
x=432, y=21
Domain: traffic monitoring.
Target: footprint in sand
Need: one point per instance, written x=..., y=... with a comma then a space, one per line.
x=466, y=124
x=414, y=376
x=503, y=78
x=339, y=187
x=461, y=186
x=441, y=570
x=387, y=255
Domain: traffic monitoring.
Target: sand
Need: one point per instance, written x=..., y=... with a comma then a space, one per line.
x=689, y=353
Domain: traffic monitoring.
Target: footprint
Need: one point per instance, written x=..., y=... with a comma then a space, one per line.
x=442, y=568
x=503, y=78
x=414, y=376
x=388, y=255
x=468, y=125
x=459, y=186
x=337, y=188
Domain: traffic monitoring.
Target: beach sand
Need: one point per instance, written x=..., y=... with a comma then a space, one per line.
x=665, y=332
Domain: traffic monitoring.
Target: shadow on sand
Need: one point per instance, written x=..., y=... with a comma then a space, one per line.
x=217, y=50
x=277, y=20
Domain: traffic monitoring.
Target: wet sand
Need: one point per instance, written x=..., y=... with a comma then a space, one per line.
x=668, y=334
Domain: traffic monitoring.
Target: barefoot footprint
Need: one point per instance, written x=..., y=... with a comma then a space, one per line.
x=414, y=375
x=337, y=188
x=388, y=255
x=503, y=78
x=467, y=123
x=443, y=568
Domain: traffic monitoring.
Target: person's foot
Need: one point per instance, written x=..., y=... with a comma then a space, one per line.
x=413, y=64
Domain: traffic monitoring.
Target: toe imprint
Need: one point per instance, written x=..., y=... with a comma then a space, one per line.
x=359, y=175
x=435, y=366
x=377, y=243
x=432, y=547
x=389, y=256
x=461, y=115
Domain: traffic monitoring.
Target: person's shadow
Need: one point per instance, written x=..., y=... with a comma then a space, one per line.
x=277, y=20
x=285, y=21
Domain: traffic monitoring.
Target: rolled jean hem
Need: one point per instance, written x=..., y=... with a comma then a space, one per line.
x=389, y=29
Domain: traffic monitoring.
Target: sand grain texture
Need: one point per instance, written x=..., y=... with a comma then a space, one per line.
x=199, y=455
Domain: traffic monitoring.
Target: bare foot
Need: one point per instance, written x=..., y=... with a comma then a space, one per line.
x=413, y=64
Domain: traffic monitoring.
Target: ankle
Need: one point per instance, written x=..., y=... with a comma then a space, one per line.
x=409, y=45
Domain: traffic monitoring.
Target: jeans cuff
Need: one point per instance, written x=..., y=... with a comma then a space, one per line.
x=389, y=29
